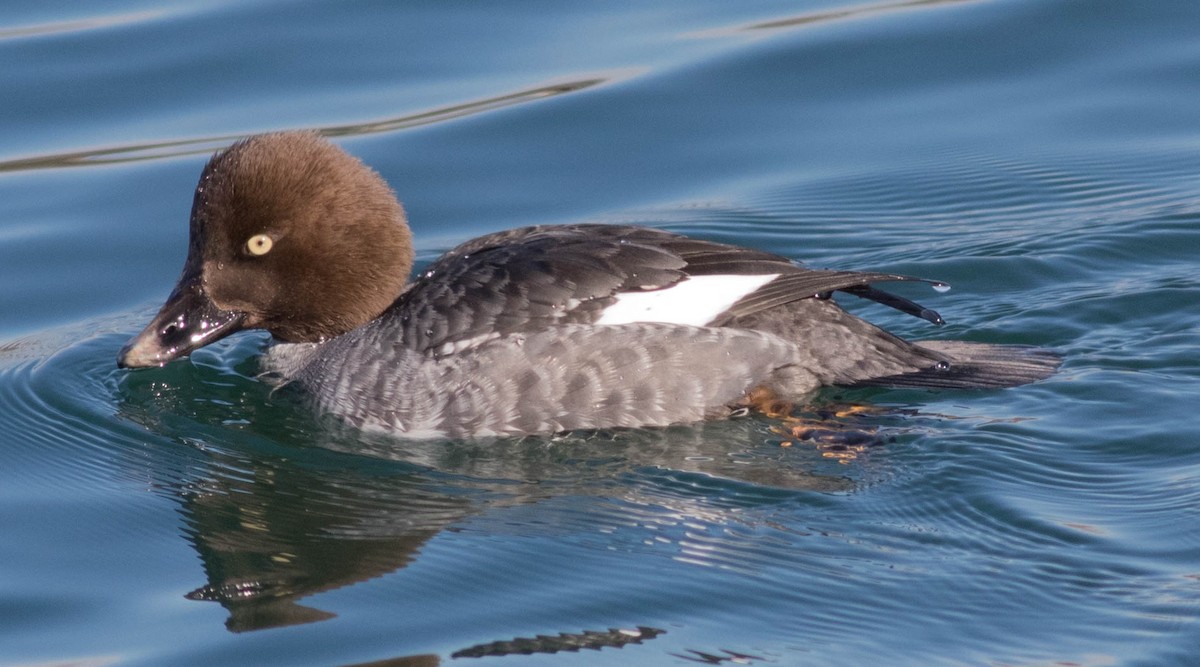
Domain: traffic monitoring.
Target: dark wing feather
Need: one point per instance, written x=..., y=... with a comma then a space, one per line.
x=531, y=278
x=898, y=302
x=527, y=279
x=801, y=283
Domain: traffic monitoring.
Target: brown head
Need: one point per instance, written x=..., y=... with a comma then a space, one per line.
x=289, y=234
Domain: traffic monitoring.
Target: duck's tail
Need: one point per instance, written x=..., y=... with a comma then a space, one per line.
x=973, y=366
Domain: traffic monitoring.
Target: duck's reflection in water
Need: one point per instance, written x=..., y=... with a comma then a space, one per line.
x=280, y=510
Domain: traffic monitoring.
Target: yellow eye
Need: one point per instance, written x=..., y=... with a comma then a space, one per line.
x=259, y=244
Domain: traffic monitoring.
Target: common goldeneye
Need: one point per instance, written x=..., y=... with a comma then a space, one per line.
x=533, y=330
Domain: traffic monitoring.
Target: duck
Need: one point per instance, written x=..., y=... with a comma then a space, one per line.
x=537, y=330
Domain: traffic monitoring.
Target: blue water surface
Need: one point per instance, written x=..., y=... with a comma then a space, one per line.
x=1042, y=156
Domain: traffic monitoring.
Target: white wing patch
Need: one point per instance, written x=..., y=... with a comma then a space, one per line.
x=695, y=300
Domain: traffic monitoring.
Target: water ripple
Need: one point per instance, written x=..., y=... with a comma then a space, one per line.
x=205, y=145
x=1007, y=209
x=62, y=403
x=79, y=25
